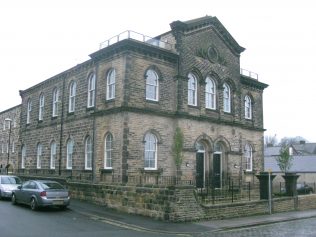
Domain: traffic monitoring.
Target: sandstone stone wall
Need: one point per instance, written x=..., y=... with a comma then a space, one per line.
x=14, y=115
x=179, y=204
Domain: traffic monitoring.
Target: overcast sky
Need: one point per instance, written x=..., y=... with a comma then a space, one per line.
x=39, y=39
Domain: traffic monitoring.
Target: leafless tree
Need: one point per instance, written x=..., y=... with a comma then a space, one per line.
x=287, y=141
x=270, y=140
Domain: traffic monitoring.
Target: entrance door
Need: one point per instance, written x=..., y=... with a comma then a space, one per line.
x=199, y=170
x=217, y=177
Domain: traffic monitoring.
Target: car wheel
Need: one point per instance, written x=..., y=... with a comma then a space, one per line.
x=0, y=195
x=33, y=204
x=63, y=207
x=13, y=199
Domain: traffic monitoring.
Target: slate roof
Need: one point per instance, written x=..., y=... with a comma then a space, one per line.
x=272, y=151
x=300, y=164
x=305, y=148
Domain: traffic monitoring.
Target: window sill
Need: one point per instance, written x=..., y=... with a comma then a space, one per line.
x=106, y=171
x=152, y=101
x=194, y=106
x=151, y=171
x=90, y=109
x=249, y=172
x=109, y=100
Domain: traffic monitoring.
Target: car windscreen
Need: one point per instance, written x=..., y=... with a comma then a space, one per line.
x=51, y=185
x=10, y=180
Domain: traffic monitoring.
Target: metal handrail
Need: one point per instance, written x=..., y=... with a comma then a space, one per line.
x=250, y=74
x=129, y=34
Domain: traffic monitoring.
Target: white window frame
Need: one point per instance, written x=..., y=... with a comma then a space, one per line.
x=152, y=85
x=192, y=90
x=41, y=107
x=72, y=97
x=53, y=154
x=226, y=98
x=248, y=107
x=88, y=153
x=150, y=156
x=108, y=148
x=55, y=102
x=13, y=146
x=248, y=157
x=91, y=90
x=110, y=84
x=39, y=156
x=70, y=151
x=210, y=94
x=29, y=110
x=23, y=156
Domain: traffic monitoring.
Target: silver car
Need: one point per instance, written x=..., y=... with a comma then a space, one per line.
x=7, y=184
x=41, y=193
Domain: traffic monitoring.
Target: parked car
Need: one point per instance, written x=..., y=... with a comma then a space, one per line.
x=304, y=189
x=7, y=184
x=41, y=193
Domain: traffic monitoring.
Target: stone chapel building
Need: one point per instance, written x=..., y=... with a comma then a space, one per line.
x=113, y=117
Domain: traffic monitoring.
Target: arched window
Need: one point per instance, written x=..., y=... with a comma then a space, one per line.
x=88, y=153
x=41, y=107
x=53, y=155
x=248, y=157
x=29, y=110
x=150, y=151
x=110, y=85
x=72, y=96
x=192, y=90
x=23, y=156
x=227, y=99
x=39, y=156
x=218, y=148
x=152, y=85
x=55, y=102
x=248, y=107
x=108, y=151
x=70, y=150
x=210, y=93
x=91, y=90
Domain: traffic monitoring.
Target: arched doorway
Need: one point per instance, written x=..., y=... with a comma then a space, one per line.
x=200, y=165
x=217, y=166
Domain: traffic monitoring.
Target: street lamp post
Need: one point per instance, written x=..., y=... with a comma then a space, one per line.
x=7, y=166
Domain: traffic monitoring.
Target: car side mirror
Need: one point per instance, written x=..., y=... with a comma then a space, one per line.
x=20, y=187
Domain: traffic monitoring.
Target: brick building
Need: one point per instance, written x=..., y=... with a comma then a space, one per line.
x=113, y=117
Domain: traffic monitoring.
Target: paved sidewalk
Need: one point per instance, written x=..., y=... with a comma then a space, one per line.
x=135, y=222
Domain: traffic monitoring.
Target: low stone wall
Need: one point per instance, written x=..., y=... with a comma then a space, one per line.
x=178, y=204
x=148, y=201
x=306, y=202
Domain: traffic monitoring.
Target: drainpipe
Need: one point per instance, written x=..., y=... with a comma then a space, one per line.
x=61, y=126
x=94, y=126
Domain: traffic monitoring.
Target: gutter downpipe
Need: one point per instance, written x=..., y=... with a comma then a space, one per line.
x=61, y=127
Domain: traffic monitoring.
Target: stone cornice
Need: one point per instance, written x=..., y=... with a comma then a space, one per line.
x=58, y=77
x=252, y=82
x=136, y=46
x=175, y=115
